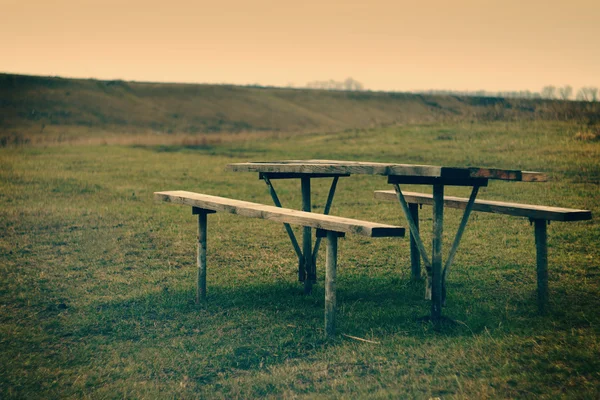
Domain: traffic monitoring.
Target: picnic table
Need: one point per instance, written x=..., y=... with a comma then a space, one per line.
x=397, y=174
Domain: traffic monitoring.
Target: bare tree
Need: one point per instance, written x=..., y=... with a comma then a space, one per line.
x=548, y=92
x=349, y=84
x=565, y=92
x=588, y=93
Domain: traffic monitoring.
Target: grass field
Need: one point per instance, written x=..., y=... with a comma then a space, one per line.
x=97, y=287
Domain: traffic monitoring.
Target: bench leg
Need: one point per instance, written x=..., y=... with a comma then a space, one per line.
x=201, y=282
x=436, y=256
x=415, y=257
x=541, y=246
x=330, y=277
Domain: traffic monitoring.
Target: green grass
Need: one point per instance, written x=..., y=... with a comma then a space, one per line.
x=97, y=287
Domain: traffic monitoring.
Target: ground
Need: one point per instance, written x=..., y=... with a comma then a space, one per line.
x=98, y=283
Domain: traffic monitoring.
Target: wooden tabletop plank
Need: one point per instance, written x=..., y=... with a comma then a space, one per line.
x=386, y=169
x=284, y=215
x=499, y=207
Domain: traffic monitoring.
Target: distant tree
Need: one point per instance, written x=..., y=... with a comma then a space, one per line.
x=548, y=92
x=565, y=92
x=526, y=94
x=588, y=93
x=349, y=84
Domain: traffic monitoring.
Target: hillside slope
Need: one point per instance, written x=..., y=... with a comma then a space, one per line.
x=33, y=105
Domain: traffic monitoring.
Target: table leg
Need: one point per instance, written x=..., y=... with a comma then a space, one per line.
x=436, y=257
x=309, y=268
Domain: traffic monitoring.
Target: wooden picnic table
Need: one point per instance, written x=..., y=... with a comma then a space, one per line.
x=436, y=176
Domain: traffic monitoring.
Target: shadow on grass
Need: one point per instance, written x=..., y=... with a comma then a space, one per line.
x=248, y=326
x=380, y=307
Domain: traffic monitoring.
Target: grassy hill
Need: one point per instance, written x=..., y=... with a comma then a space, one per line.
x=41, y=107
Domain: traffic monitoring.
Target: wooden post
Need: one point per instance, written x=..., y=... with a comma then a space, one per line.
x=541, y=246
x=436, y=262
x=308, y=272
x=330, y=277
x=201, y=282
x=415, y=257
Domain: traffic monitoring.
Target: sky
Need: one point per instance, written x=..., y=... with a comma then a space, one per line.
x=391, y=45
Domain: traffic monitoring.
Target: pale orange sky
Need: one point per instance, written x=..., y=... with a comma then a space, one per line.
x=386, y=45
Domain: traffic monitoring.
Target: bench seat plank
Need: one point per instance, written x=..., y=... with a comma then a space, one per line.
x=284, y=215
x=499, y=207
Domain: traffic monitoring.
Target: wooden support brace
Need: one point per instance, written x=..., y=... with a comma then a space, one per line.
x=414, y=230
x=415, y=258
x=457, y=238
x=322, y=233
x=326, y=212
x=541, y=245
x=287, y=227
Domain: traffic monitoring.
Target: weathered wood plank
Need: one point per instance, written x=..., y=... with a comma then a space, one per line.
x=429, y=180
x=389, y=169
x=498, y=207
x=272, y=213
x=274, y=176
x=508, y=175
x=308, y=167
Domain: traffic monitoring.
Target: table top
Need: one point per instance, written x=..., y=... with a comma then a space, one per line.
x=316, y=167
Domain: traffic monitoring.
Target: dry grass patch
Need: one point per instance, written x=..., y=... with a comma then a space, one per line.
x=592, y=135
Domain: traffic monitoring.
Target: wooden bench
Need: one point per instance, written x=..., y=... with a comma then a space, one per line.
x=539, y=215
x=328, y=226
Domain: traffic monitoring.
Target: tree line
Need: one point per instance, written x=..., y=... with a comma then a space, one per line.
x=348, y=84
x=586, y=93
x=551, y=92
